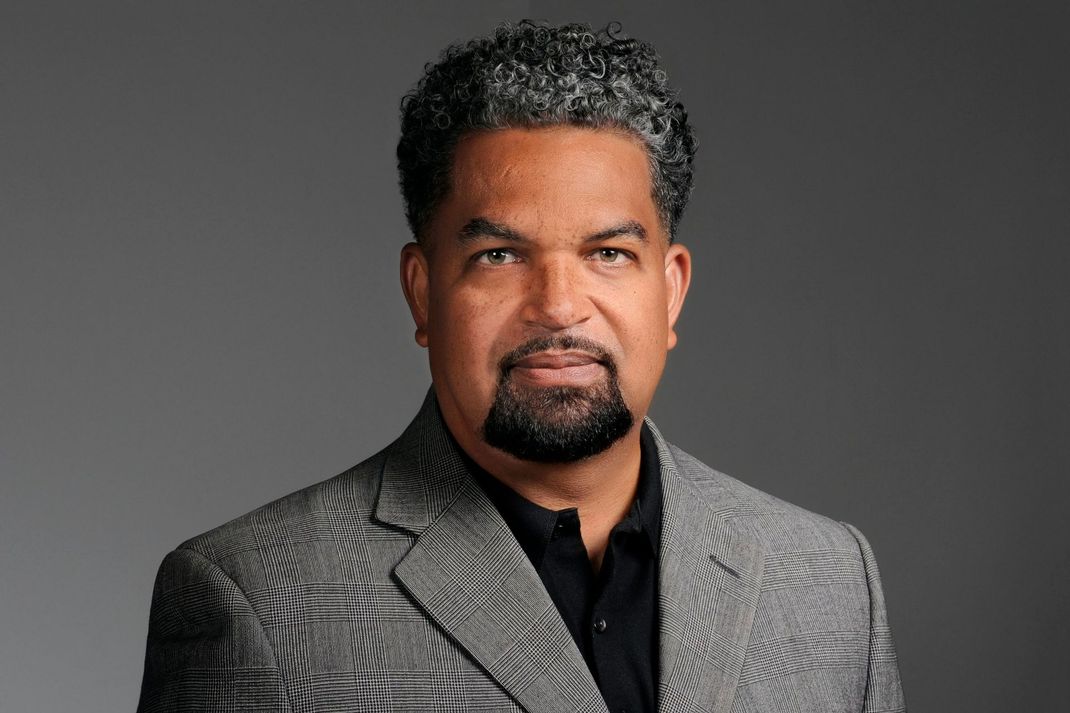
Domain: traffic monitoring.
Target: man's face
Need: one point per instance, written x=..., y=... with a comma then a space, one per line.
x=546, y=291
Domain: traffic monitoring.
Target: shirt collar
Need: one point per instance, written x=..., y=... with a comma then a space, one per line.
x=533, y=525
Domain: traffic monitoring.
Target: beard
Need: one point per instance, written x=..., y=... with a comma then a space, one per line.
x=556, y=424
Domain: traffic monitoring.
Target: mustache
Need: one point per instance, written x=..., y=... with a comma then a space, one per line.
x=560, y=342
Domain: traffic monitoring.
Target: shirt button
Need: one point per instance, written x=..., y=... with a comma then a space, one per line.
x=600, y=625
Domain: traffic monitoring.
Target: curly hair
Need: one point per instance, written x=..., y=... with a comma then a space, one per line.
x=531, y=75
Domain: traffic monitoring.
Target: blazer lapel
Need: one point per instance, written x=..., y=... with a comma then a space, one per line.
x=708, y=587
x=469, y=575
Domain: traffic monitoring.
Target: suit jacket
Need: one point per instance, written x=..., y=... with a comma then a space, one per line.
x=397, y=586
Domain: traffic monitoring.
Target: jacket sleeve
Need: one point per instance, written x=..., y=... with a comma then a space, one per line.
x=207, y=650
x=884, y=690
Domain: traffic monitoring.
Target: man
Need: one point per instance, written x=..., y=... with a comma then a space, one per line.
x=531, y=542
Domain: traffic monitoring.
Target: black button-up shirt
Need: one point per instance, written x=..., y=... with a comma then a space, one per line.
x=613, y=614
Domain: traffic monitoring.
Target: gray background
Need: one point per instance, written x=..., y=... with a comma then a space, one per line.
x=199, y=309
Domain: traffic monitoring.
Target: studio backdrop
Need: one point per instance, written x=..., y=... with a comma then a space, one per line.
x=200, y=308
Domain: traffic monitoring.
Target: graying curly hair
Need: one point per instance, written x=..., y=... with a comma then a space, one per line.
x=531, y=75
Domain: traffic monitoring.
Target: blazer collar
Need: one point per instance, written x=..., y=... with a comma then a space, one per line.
x=710, y=572
x=423, y=472
x=471, y=577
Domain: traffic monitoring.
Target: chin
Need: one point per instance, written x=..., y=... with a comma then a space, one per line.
x=559, y=424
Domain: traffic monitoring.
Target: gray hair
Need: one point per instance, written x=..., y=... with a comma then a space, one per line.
x=531, y=75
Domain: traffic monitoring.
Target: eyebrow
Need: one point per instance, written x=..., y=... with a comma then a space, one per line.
x=627, y=229
x=479, y=228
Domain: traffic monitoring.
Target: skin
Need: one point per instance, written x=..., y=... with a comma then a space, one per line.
x=548, y=231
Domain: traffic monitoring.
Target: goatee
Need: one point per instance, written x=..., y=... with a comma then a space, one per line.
x=556, y=424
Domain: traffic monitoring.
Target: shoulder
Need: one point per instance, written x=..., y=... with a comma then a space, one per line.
x=344, y=502
x=779, y=525
x=804, y=554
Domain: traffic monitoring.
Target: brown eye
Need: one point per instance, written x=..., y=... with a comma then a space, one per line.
x=498, y=256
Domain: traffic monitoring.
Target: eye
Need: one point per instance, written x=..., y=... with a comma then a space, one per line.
x=496, y=256
x=610, y=255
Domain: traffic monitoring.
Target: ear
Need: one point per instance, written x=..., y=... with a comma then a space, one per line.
x=677, y=280
x=415, y=284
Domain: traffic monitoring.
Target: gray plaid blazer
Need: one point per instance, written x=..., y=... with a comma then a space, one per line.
x=397, y=586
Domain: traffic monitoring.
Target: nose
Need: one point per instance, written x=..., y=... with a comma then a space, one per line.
x=555, y=297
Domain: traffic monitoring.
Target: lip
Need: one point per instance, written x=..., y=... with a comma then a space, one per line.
x=556, y=360
x=570, y=368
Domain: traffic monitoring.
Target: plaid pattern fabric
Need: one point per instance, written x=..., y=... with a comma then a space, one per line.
x=396, y=586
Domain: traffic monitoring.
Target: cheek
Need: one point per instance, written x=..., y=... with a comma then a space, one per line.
x=650, y=350
x=463, y=329
x=645, y=338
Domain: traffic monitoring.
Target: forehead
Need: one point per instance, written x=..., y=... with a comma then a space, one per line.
x=535, y=143
x=547, y=177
